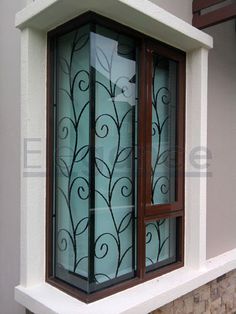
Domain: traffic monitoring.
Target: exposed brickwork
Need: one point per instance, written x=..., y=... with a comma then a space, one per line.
x=216, y=297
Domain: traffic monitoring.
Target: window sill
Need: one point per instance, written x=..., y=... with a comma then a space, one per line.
x=143, y=298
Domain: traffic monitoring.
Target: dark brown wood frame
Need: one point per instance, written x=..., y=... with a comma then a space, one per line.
x=146, y=212
x=150, y=209
x=202, y=20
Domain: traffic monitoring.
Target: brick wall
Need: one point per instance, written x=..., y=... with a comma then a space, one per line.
x=216, y=297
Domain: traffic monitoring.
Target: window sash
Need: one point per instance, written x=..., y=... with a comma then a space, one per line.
x=167, y=52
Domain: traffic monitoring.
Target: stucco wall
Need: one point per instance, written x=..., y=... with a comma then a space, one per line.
x=221, y=206
x=9, y=157
x=180, y=8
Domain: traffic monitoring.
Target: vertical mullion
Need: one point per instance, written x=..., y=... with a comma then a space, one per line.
x=141, y=197
x=180, y=158
x=55, y=119
x=148, y=125
x=133, y=165
x=172, y=130
x=91, y=236
x=180, y=133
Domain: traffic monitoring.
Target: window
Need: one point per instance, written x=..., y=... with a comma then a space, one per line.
x=115, y=187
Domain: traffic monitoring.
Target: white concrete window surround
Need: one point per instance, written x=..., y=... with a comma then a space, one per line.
x=34, y=22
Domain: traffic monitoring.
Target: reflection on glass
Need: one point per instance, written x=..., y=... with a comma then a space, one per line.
x=160, y=243
x=164, y=109
x=113, y=59
x=71, y=183
x=94, y=188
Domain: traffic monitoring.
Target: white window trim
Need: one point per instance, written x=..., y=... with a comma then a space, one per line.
x=35, y=21
x=144, y=298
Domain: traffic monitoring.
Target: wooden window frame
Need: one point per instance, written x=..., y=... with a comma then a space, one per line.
x=216, y=16
x=146, y=212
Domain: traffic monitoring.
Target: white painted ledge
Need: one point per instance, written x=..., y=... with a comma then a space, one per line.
x=141, y=15
x=144, y=298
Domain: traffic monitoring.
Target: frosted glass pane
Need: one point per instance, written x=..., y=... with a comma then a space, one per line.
x=72, y=155
x=163, y=180
x=114, y=63
x=160, y=243
x=94, y=158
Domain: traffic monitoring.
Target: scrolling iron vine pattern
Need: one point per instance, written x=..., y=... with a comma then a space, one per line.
x=160, y=181
x=70, y=156
x=161, y=100
x=106, y=123
x=112, y=171
x=154, y=233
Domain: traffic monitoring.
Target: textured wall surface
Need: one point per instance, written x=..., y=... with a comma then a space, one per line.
x=180, y=8
x=221, y=201
x=9, y=156
x=217, y=297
